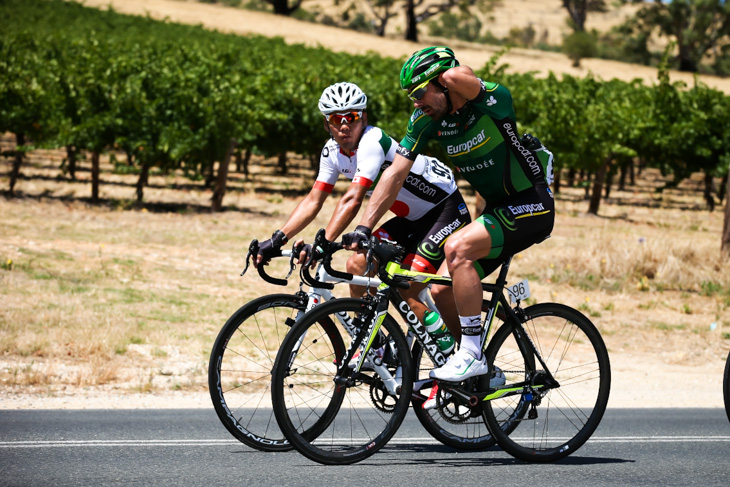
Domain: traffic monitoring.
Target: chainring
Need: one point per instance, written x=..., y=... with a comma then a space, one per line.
x=382, y=399
x=453, y=412
x=450, y=411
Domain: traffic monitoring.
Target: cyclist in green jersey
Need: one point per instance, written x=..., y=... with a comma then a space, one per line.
x=475, y=123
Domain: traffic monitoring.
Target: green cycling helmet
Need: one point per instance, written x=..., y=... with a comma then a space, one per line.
x=425, y=65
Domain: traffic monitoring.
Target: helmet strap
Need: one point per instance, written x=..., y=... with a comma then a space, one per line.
x=445, y=90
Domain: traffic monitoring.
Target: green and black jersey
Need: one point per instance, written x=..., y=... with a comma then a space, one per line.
x=483, y=144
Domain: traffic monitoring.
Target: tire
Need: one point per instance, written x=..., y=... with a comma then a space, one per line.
x=239, y=373
x=459, y=427
x=726, y=387
x=548, y=425
x=337, y=424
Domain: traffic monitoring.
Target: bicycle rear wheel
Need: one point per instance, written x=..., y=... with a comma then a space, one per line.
x=353, y=420
x=457, y=426
x=544, y=424
x=239, y=373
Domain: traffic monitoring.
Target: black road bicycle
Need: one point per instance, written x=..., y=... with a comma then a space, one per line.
x=556, y=368
x=239, y=372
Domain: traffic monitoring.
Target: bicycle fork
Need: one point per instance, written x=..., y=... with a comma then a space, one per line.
x=365, y=338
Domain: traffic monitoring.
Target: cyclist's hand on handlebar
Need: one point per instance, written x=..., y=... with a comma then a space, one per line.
x=302, y=251
x=270, y=248
x=356, y=239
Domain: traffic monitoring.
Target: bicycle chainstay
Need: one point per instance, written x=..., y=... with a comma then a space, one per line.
x=467, y=394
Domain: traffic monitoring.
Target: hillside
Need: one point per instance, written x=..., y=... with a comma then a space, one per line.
x=546, y=17
x=238, y=21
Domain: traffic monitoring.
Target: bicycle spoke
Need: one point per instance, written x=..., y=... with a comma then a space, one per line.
x=239, y=374
x=326, y=419
x=547, y=422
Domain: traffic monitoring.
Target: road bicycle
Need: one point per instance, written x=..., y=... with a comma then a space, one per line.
x=555, y=364
x=726, y=387
x=242, y=357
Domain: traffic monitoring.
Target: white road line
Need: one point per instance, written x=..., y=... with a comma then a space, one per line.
x=395, y=441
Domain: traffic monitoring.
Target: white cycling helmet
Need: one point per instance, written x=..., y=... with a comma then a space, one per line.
x=342, y=97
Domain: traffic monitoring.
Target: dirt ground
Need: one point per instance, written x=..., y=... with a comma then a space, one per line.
x=664, y=351
x=643, y=375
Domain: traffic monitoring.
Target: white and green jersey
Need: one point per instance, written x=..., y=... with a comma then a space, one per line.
x=428, y=184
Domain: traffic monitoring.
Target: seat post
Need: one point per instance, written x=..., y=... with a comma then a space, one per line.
x=502, y=277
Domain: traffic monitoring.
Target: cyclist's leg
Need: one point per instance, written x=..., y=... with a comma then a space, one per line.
x=357, y=266
x=516, y=225
x=443, y=296
x=462, y=250
x=513, y=224
x=424, y=247
x=504, y=229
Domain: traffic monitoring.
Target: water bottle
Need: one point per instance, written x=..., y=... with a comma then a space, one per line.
x=438, y=331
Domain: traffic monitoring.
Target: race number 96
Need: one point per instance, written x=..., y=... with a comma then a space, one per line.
x=521, y=290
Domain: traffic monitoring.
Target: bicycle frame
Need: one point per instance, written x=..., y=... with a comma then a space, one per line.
x=515, y=390
x=320, y=293
x=386, y=296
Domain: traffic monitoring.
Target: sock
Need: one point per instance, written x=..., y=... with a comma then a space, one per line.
x=471, y=334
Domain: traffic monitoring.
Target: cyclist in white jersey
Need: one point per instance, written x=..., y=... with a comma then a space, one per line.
x=428, y=208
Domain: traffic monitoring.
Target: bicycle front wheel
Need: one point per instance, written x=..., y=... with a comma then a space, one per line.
x=332, y=421
x=540, y=422
x=239, y=373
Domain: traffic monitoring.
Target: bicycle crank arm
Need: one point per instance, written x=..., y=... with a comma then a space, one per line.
x=463, y=394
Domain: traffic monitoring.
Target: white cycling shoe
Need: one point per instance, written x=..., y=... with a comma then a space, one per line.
x=461, y=366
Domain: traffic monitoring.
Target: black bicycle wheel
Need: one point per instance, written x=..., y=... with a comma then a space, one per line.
x=458, y=426
x=544, y=424
x=726, y=387
x=339, y=423
x=239, y=373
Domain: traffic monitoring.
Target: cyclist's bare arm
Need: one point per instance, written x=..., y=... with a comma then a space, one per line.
x=303, y=214
x=461, y=81
x=384, y=195
x=346, y=210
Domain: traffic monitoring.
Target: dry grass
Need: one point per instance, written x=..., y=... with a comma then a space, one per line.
x=130, y=299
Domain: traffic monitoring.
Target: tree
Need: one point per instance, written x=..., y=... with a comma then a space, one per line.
x=700, y=27
x=578, y=11
x=382, y=12
x=579, y=45
x=281, y=7
x=413, y=18
x=28, y=97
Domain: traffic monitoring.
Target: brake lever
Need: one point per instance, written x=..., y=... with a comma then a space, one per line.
x=369, y=256
x=253, y=250
x=292, y=265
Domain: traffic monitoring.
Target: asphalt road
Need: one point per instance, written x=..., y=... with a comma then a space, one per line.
x=190, y=447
